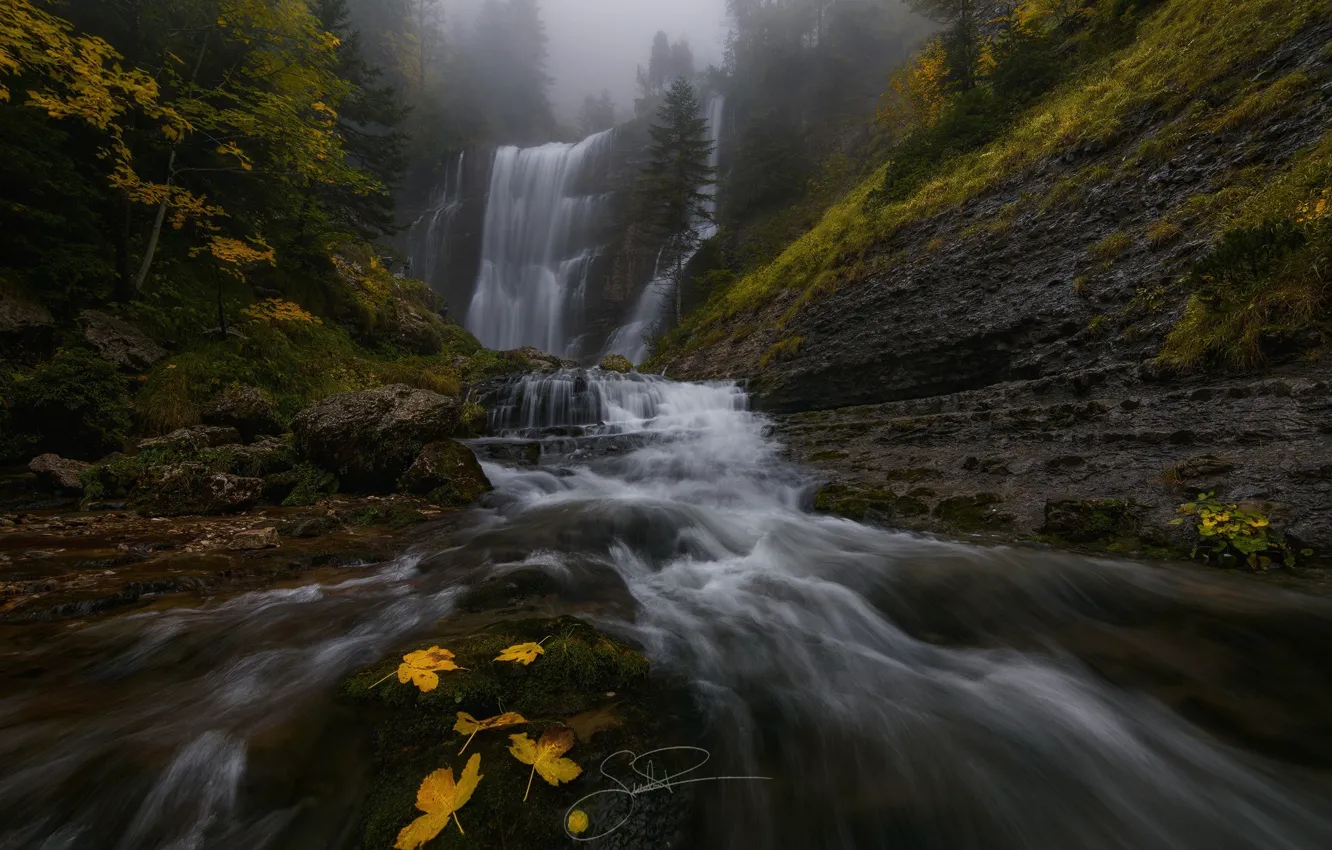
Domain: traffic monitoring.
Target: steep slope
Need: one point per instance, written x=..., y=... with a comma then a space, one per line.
x=1032, y=296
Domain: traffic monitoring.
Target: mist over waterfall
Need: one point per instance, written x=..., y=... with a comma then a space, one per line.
x=542, y=232
x=631, y=338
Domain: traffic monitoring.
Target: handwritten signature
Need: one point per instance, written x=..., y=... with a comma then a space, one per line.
x=651, y=782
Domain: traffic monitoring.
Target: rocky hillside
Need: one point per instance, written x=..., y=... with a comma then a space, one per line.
x=1116, y=306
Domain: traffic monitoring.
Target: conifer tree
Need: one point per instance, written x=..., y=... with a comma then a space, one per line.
x=672, y=201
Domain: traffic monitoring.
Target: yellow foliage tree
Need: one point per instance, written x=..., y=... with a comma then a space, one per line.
x=918, y=93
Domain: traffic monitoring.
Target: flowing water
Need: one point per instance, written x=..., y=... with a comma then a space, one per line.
x=427, y=239
x=631, y=338
x=542, y=233
x=900, y=692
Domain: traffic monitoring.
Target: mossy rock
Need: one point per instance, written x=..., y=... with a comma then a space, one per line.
x=1092, y=520
x=585, y=680
x=857, y=502
x=975, y=512
x=617, y=363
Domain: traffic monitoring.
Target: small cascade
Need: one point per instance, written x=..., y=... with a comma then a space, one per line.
x=542, y=234
x=427, y=238
x=595, y=400
x=631, y=338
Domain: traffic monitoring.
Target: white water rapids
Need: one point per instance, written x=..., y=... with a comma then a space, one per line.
x=808, y=641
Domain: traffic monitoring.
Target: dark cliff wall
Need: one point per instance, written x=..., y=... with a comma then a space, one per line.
x=983, y=365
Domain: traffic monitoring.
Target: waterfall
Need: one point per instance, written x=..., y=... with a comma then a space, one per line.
x=540, y=239
x=631, y=338
x=427, y=239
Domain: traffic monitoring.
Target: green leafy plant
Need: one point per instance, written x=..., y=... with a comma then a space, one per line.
x=1227, y=531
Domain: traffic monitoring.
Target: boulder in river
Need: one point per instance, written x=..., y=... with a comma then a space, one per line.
x=616, y=363
x=120, y=342
x=246, y=409
x=182, y=489
x=57, y=473
x=370, y=438
x=254, y=538
x=585, y=686
x=447, y=473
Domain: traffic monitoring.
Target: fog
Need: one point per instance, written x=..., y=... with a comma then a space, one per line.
x=598, y=44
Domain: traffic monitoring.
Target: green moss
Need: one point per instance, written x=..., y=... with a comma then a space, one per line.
x=1087, y=521
x=616, y=363
x=301, y=486
x=975, y=512
x=584, y=679
x=395, y=515
x=856, y=502
x=782, y=350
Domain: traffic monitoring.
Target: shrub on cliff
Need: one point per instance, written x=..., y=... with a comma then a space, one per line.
x=74, y=405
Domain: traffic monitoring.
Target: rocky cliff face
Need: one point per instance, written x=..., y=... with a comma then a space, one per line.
x=999, y=359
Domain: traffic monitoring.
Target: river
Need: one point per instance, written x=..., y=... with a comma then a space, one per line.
x=902, y=692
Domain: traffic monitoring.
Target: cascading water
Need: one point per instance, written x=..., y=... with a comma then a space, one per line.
x=899, y=692
x=631, y=338
x=427, y=239
x=542, y=233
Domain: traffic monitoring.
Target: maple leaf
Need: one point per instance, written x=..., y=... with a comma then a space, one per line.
x=469, y=725
x=523, y=653
x=440, y=798
x=420, y=668
x=544, y=756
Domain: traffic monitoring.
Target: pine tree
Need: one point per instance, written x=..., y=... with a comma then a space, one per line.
x=672, y=201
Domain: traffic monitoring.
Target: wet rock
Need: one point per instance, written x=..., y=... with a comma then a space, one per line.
x=1092, y=520
x=57, y=473
x=246, y=409
x=369, y=439
x=189, y=488
x=193, y=439
x=120, y=342
x=254, y=538
x=447, y=473
x=519, y=452
x=306, y=528
x=616, y=363
x=540, y=361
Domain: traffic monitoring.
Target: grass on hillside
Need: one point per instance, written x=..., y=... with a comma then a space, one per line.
x=1182, y=50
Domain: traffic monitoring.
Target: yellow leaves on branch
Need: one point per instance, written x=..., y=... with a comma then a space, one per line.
x=420, y=667
x=440, y=798
x=278, y=311
x=521, y=653
x=469, y=725
x=918, y=94
x=545, y=756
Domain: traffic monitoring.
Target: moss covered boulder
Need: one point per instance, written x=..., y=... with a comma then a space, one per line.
x=190, y=488
x=246, y=409
x=369, y=439
x=447, y=473
x=616, y=363
x=582, y=681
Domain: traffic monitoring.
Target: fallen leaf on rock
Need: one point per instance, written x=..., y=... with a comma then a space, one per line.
x=440, y=798
x=522, y=653
x=469, y=725
x=545, y=756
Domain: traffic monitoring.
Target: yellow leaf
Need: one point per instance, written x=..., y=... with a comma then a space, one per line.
x=440, y=797
x=469, y=725
x=523, y=653
x=545, y=755
x=577, y=822
x=420, y=667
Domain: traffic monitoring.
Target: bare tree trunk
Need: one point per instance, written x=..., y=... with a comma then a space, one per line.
x=156, y=234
